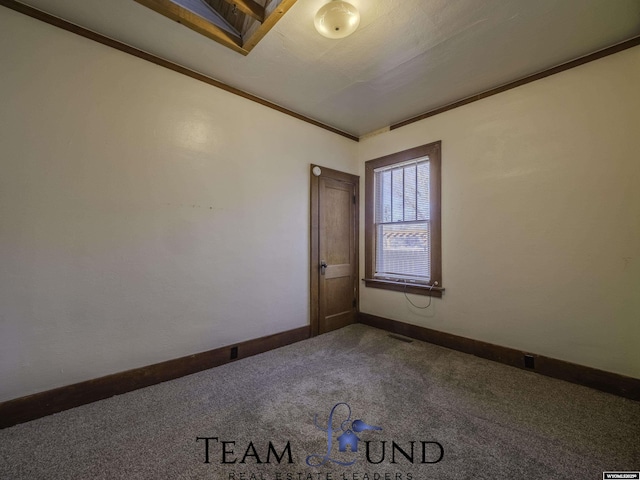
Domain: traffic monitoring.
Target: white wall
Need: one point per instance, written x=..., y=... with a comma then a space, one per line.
x=540, y=217
x=143, y=215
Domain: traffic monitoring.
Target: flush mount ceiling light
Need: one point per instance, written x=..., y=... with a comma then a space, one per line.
x=337, y=19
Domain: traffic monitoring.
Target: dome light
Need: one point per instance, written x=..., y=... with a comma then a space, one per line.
x=337, y=19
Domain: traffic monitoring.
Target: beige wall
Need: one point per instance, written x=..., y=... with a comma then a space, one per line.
x=144, y=215
x=540, y=219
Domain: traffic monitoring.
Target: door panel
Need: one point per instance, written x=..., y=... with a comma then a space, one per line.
x=340, y=292
x=334, y=243
x=336, y=202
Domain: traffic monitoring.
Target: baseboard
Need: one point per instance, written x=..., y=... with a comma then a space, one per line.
x=41, y=404
x=614, y=383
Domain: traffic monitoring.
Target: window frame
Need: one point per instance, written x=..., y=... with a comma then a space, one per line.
x=433, y=151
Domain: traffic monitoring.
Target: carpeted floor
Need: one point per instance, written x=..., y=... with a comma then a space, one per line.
x=488, y=420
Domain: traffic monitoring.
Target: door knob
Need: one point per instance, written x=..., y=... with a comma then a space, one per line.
x=323, y=267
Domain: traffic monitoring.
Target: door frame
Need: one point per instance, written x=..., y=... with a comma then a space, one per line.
x=314, y=260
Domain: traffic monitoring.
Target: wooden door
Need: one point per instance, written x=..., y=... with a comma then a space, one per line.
x=334, y=249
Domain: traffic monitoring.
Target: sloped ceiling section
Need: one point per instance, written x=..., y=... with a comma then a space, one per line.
x=236, y=24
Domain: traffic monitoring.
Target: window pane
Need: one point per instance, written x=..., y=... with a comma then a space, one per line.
x=403, y=251
x=383, y=197
x=423, y=191
x=397, y=195
x=402, y=195
x=410, y=193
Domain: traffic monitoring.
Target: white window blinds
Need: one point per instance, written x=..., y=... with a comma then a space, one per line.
x=402, y=221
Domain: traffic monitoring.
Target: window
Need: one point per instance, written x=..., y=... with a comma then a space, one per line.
x=402, y=221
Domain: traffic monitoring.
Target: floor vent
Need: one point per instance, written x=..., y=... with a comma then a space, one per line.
x=402, y=339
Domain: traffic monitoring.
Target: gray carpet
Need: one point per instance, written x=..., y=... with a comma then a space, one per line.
x=492, y=421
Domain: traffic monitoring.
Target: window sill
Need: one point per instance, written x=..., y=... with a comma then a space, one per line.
x=414, y=288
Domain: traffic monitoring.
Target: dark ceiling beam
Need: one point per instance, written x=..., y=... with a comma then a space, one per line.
x=249, y=7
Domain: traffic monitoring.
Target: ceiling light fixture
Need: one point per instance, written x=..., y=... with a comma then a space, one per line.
x=337, y=19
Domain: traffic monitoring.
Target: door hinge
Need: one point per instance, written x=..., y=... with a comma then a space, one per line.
x=354, y=303
x=354, y=199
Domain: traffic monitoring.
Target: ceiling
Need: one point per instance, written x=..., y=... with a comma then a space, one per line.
x=406, y=58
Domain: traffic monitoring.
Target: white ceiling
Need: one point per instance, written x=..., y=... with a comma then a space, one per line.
x=406, y=58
